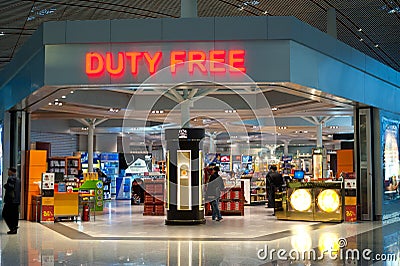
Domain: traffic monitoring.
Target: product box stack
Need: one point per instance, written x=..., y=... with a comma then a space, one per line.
x=231, y=202
x=154, y=198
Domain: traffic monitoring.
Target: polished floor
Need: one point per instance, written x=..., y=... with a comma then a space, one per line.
x=121, y=235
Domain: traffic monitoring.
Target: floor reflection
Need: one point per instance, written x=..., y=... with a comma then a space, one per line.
x=35, y=244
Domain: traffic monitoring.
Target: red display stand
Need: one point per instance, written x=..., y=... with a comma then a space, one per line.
x=231, y=202
x=154, y=198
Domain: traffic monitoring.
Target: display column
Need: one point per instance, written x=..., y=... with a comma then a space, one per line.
x=184, y=176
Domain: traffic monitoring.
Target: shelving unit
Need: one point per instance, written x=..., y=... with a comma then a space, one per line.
x=258, y=189
x=67, y=165
x=231, y=202
x=110, y=166
x=154, y=198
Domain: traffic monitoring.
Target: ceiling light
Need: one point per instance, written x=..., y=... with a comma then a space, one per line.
x=60, y=104
x=56, y=100
x=2, y=33
x=114, y=110
x=330, y=136
x=282, y=127
x=360, y=30
x=63, y=96
x=305, y=131
x=72, y=92
x=274, y=108
x=361, y=40
x=376, y=45
x=50, y=104
x=265, y=12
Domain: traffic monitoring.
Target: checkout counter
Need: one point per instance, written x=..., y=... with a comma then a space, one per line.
x=311, y=201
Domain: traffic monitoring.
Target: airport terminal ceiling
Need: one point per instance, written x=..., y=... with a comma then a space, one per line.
x=370, y=26
x=228, y=113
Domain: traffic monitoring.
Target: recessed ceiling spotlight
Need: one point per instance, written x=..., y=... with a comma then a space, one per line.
x=376, y=45
x=265, y=12
x=360, y=30
x=60, y=104
x=56, y=100
x=274, y=108
x=50, y=104
x=2, y=33
x=305, y=131
x=330, y=136
x=361, y=40
x=72, y=92
x=114, y=110
x=63, y=96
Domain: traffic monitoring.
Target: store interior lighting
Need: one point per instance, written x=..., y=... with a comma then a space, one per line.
x=114, y=110
x=157, y=111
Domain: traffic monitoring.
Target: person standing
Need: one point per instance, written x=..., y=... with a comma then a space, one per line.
x=214, y=187
x=12, y=200
x=274, y=184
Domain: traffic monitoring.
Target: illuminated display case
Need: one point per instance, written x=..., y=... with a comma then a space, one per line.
x=184, y=180
x=311, y=201
x=317, y=163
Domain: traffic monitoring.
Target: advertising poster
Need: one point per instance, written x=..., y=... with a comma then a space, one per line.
x=391, y=161
x=136, y=163
x=47, y=197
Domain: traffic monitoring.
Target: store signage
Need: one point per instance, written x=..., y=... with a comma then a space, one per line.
x=182, y=134
x=205, y=62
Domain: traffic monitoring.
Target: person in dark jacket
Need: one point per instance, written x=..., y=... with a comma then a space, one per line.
x=12, y=200
x=214, y=187
x=274, y=183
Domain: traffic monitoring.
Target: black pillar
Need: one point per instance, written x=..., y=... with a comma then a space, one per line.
x=184, y=176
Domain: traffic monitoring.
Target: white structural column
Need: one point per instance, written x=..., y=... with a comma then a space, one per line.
x=331, y=23
x=91, y=125
x=91, y=128
x=188, y=8
x=286, y=147
x=185, y=113
x=319, y=135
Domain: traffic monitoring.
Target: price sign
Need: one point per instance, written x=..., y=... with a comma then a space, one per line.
x=47, y=213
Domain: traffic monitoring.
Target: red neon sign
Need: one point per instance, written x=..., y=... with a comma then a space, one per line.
x=213, y=62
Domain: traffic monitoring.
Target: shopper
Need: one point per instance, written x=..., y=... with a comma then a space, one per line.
x=101, y=175
x=214, y=187
x=208, y=170
x=12, y=201
x=274, y=184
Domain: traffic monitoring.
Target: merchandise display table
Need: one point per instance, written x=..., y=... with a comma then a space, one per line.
x=311, y=201
x=66, y=204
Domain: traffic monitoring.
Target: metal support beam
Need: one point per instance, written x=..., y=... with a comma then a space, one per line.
x=331, y=28
x=188, y=8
